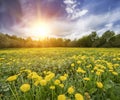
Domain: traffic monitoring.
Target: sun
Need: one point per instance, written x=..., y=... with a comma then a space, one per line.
x=40, y=29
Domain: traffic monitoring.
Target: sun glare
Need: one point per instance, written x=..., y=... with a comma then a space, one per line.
x=40, y=30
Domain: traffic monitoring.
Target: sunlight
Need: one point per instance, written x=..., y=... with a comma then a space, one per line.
x=40, y=29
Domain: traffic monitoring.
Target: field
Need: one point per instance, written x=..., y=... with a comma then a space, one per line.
x=60, y=74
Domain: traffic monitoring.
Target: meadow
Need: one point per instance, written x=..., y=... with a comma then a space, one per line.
x=60, y=74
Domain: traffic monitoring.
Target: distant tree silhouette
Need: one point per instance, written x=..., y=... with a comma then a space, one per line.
x=108, y=39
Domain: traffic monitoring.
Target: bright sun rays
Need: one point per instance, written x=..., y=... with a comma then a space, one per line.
x=40, y=29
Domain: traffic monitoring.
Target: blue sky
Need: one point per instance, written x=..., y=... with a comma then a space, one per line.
x=68, y=18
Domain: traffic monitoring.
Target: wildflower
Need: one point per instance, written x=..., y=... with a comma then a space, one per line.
x=79, y=70
x=61, y=85
x=52, y=87
x=116, y=65
x=71, y=90
x=114, y=73
x=37, y=83
x=57, y=82
x=33, y=75
x=27, y=70
x=49, y=77
x=98, y=73
x=78, y=96
x=66, y=75
x=88, y=66
x=12, y=78
x=110, y=66
x=49, y=72
x=100, y=70
x=72, y=65
x=86, y=79
x=78, y=62
x=110, y=70
x=25, y=87
x=45, y=72
x=99, y=85
x=62, y=97
x=63, y=78
x=43, y=82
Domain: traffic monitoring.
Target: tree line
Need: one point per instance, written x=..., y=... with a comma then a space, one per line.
x=108, y=39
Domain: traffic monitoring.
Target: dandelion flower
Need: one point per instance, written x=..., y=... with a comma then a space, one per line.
x=98, y=73
x=63, y=78
x=61, y=97
x=78, y=96
x=61, y=85
x=57, y=82
x=12, y=78
x=86, y=79
x=25, y=87
x=52, y=87
x=72, y=65
x=43, y=82
x=71, y=90
x=49, y=77
x=114, y=73
x=78, y=62
x=99, y=85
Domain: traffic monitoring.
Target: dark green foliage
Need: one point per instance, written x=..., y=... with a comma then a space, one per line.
x=108, y=39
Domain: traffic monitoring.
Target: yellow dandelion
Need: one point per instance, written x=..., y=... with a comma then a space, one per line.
x=12, y=78
x=49, y=77
x=78, y=62
x=114, y=73
x=61, y=97
x=25, y=87
x=110, y=70
x=92, y=71
x=52, y=87
x=63, y=78
x=80, y=70
x=99, y=85
x=86, y=79
x=43, y=82
x=98, y=73
x=66, y=75
x=57, y=82
x=72, y=65
x=33, y=75
x=88, y=66
x=71, y=90
x=36, y=83
x=78, y=96
x=61, y=85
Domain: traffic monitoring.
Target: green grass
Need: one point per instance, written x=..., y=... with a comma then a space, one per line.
x=99, y=65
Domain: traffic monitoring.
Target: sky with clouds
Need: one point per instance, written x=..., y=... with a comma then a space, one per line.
x=67, y=18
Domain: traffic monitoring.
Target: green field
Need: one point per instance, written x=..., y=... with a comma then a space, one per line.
x=60, y=74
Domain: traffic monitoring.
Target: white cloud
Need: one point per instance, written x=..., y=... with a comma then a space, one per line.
x=72, y=10
x=99, y=23
x=78, y=13
x=69, y=10
x=109, y=25
x=69, y=1
x=87, y=24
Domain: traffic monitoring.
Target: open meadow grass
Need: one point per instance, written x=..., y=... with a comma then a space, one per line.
x=60, y=74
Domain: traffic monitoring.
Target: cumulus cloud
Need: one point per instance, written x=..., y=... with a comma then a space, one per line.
x=78, y=13
x=86, y=25
x=72, y=9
